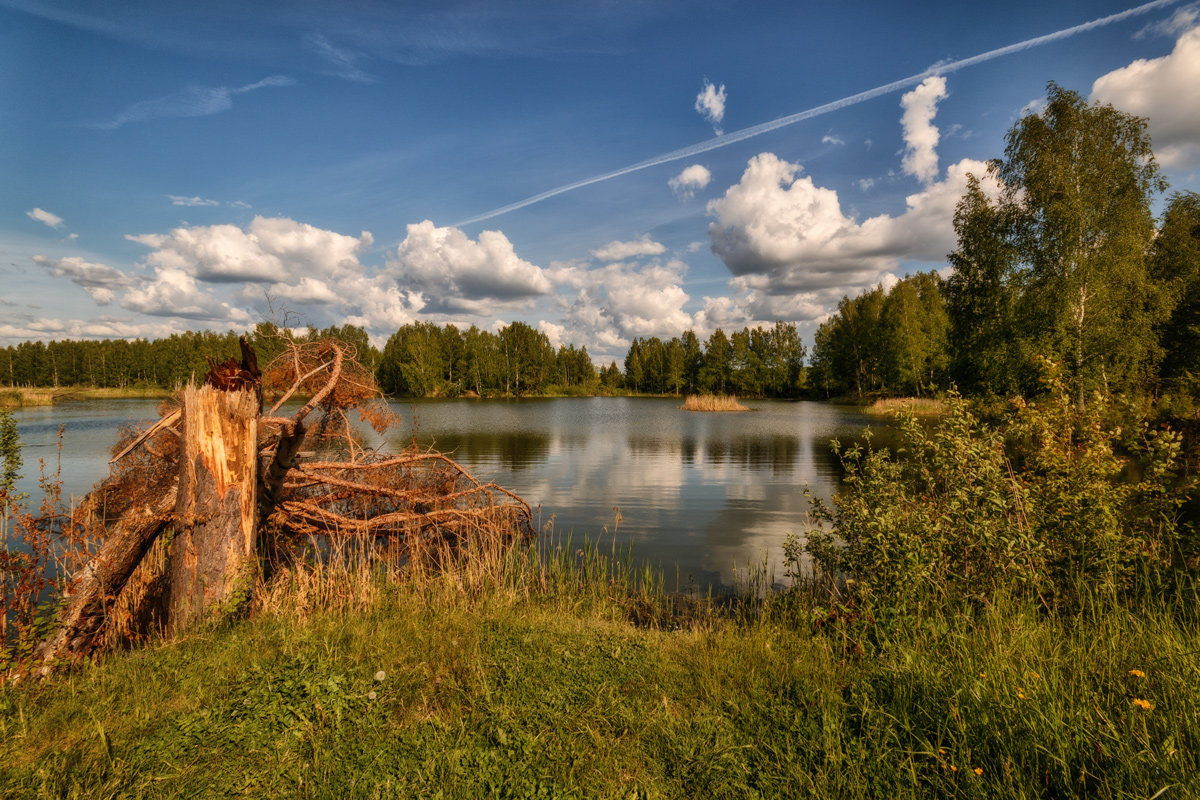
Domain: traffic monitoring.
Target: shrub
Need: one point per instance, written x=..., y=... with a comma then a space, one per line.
x=1047, y=501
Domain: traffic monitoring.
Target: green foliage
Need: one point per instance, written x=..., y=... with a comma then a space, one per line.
x=885, y=342
x=1042, y=502
x=1175, y=264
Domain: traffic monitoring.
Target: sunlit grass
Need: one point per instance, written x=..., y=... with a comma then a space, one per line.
x=713, y=402
x=19, y=396
x=570, y=672
x=921, y=406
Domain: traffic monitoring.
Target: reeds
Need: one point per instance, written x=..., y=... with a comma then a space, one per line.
x=713, y=402
x=921, y=406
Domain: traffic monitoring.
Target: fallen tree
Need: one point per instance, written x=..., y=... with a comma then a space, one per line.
x=203, y=505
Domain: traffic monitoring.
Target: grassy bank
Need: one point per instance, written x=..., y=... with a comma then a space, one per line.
x=565, y=680
x=17, y=397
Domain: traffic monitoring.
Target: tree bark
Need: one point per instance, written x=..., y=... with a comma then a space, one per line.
x=213, y=558
x=95, y=586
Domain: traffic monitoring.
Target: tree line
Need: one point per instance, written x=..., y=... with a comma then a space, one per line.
x=1066, y=263
x=149, y=363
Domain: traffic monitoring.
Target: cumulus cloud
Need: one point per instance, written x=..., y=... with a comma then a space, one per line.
x=192, y=101
x=45, y=217
x=459, y=274
x=710, y=103
x=174, y=293
x=269, y=250
x=786, y=235
x=690, y=181
x=920, y=134
x=26, y=327
x=1167, y=91
x=619, y=251
x=98, y=280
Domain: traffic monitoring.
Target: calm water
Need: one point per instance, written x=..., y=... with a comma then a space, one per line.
x=707, y=493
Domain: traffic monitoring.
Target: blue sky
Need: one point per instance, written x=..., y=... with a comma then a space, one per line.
x=172, y=165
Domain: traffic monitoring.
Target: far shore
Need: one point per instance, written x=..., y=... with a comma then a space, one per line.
x=23, y=396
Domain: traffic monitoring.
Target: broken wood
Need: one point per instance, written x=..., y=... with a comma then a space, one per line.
x=91, y=589
x=213, y=552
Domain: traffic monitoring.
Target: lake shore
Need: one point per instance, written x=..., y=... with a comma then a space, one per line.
x=23, y=396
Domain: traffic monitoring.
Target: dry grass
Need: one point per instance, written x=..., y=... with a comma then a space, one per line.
x=21, y=396
x=712, y=402
x=921, y=406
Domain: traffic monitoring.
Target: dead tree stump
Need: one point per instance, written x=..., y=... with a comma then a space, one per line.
x=213, y=558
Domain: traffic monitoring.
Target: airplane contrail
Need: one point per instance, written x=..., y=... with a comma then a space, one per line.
x=756, y=130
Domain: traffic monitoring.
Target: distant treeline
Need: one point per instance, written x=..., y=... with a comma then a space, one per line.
x=142, y=363
x=423, y=359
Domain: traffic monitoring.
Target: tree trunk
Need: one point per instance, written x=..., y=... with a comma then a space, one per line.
x=94, y=587
x=213, y=559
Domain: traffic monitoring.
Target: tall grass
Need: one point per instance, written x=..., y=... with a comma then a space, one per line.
x=567, y=671
x=713, y=402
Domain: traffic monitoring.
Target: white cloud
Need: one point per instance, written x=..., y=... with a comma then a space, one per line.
x=192, y=101
x=920, y=134
x=174, y=293
x=710, y=103
x=690, y=181
x=1183, y=19
x=1167, y=91
x=829, y=138
x=98, y=280
x=786, y=235
x=269, y=250
x=45, y=217
x=865, y=184
x=619, y=251
x=456, y=273
x=343, y=63
x=26, y=327
x=192, y=202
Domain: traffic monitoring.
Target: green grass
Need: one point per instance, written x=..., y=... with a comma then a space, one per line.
x=567, y=680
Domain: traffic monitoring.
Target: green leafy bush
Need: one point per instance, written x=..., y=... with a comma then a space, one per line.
x=1053, y=499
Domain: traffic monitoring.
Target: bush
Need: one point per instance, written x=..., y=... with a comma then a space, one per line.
x=1053, y=499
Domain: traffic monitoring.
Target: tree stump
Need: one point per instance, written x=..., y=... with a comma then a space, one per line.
x=213, y=557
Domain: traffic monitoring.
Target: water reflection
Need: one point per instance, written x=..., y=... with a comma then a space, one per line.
x=699, y=494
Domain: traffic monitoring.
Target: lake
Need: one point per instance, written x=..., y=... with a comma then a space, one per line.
x=699, y=494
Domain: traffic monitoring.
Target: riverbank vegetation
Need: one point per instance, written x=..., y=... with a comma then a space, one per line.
x=713, y=402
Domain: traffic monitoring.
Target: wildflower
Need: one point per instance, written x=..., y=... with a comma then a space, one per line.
x=953, y=768
x=1137, y=673
x=380, y=675
x=941, y=751
x=1020, y=693
x=978, y=770
x=983, y=674
x=371, y=695
x=1144, y=705
x=1033, y=674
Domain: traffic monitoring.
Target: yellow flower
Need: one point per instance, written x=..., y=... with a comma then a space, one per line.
x=1020, y=693
x=1033, y=674
x=983, y=674
x=941, y=751
x=978, y=770
x=1137, y=673
x=953, y=768
x=1144, y=705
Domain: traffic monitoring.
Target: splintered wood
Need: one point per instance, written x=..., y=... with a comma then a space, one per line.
x=213, y=553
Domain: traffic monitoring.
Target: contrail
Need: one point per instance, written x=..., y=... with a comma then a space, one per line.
x=817, y=111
